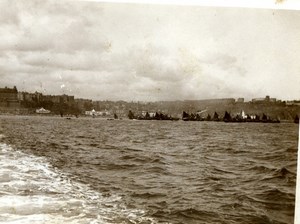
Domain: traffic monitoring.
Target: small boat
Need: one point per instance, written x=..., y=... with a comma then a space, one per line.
x=42, y=111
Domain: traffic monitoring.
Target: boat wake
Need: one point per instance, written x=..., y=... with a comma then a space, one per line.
x=34, y=192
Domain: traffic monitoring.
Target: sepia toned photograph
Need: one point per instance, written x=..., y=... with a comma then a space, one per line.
x=140, y=113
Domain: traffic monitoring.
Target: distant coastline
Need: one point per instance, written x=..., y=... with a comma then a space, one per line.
x=14, y=102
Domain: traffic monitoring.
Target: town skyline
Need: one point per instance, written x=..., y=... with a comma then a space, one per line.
x=14, y=102
x=130, y=52
x=237, y=98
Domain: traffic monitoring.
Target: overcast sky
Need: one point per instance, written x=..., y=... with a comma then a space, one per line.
x=111, y=51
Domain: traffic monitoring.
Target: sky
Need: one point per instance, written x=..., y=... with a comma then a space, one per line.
x=148, y=52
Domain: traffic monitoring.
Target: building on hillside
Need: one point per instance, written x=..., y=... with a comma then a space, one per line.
x=97, y=113
x=267, y=99
x=30, y=97
x=67, y=99
x=9, y=97
x=8, y=93
x=240, y=100
x=151, y=114
x=83, y=104
x=216, y=101
x=21, y=96
x=293, y=103
x=258, y=100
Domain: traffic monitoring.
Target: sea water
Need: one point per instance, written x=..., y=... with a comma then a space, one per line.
x=85, y=170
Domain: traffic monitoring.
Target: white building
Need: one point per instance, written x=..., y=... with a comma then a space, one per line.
x=244, y=116
x=97, y=113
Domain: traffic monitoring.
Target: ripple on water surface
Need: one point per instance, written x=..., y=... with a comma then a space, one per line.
x=176, y=172
x=34, y=192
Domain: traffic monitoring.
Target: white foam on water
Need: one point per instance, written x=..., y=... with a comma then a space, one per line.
x=32, y=191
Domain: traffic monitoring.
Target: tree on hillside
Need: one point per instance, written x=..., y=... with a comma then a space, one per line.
x=216, y=117
x=208, y=118
x=147, y=116
x=130, y=115
x=227, y=117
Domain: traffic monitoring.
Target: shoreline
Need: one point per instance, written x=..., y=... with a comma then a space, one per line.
x=125, y=118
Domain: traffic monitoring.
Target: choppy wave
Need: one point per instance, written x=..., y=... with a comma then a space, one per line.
x=32, y=191
x=89, y=170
